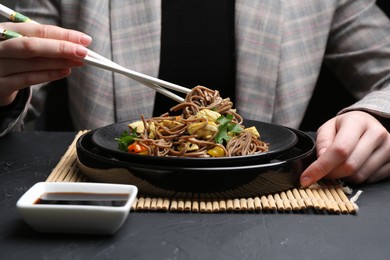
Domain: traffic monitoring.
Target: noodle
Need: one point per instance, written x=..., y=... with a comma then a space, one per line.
x=198, y=131
x=203, y=98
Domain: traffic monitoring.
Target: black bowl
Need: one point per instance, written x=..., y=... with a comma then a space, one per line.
x=279, y=174
x=279, y=138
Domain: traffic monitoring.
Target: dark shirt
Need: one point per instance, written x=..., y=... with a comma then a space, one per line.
x=197, y=47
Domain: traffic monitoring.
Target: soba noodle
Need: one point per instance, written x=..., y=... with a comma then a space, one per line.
x=198, y=131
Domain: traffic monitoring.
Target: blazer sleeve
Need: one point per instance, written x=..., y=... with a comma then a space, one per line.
x=11, y=116
x=358, y=52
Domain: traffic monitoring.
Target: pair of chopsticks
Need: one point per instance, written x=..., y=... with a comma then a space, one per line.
x=97, y=60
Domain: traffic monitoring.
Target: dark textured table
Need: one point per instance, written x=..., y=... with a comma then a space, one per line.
x=28, y=158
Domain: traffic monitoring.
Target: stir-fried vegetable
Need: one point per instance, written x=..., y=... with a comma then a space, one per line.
x=208, y=126
x=137, y=148
x=126, y=139
x=216, y=151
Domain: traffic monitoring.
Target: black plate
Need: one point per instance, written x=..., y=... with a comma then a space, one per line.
x=280, y=174
x=278, y=137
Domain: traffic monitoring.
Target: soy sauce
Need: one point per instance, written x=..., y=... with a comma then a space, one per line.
x=84, y=199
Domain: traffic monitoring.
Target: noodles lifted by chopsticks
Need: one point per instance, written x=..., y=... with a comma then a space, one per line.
x=207, y=127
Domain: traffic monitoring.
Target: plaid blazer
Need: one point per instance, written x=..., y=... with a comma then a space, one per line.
x=280, y=48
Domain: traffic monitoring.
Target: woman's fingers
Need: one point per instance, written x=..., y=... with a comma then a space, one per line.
x=367, y=156
x=376, y=166
x=44, y=41
x=380, y=174
x=8, y=94
x=359, y=150
x=23, y=48
x=49, y=32
x=31, y=78
x=49, y=49
x=334, y=149
x=15, y=66
x=47, y=53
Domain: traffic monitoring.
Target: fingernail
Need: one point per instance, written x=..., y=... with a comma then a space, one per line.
x=86, y=39
x=306, y=181
x=321, y=151
x=81, y=51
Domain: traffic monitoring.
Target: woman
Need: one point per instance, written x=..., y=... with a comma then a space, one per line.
x=276, y=55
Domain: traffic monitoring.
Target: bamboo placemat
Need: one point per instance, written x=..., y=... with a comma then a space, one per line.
x=324, y=197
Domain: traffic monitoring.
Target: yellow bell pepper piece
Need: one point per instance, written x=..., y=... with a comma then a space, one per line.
x=216, y=151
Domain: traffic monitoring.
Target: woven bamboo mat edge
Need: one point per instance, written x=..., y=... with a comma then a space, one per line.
x=331, y=198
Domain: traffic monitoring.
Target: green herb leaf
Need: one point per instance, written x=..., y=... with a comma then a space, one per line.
x=222, y=134
x=224, y=120
x=226, y=129
x=126, y=139
x=234, y=128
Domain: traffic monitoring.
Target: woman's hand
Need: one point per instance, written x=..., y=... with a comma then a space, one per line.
x=354, y=146
x=47, y=54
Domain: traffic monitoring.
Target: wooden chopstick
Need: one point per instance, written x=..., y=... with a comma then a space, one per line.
x=12, y=15
x=98, y=60
x=142, y=78
x=7, y=34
